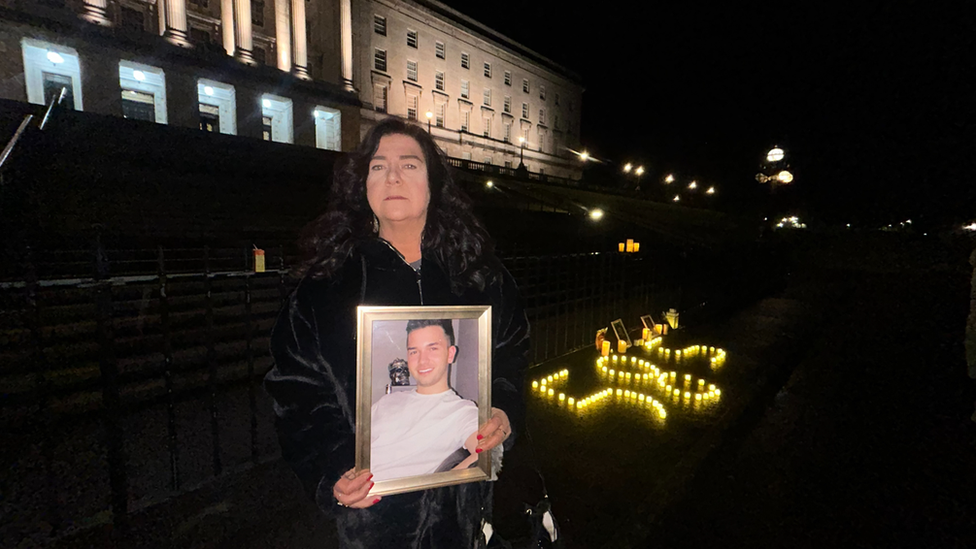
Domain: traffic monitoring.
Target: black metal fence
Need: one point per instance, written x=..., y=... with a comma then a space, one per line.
x=131, y=376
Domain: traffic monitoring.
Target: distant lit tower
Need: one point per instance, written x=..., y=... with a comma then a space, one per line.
x=775, y=169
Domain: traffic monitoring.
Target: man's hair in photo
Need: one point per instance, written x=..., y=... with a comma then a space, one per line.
x=446, y=324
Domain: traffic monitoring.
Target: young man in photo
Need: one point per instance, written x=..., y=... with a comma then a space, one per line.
x=414, y=432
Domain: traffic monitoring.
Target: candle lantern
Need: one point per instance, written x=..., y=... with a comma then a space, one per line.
x=672, y=316
x=606, y=348
x=258, y=260
x=646, y=334
x=621, y=346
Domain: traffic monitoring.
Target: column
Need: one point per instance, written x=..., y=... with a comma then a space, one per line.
x=283, y=33
x=96, y=11
x=227, y=25
x=299, y=44
x=345, y=22
x=176, y=29
x=242, y=31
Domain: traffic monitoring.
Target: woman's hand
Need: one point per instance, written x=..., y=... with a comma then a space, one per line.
x=352, y=490
x=494, y=432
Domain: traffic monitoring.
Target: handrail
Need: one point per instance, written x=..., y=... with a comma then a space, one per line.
x=27, y=120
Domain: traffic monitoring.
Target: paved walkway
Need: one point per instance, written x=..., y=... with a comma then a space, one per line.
x=870, y=442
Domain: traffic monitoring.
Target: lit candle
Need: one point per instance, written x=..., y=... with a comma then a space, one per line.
x=551, y=392
x=636, y=247
x=562, y=396
x=621, y=346
x=646, y=334
x=606, y=348
x=535, y=384
x=620, y=246
x=630, y=244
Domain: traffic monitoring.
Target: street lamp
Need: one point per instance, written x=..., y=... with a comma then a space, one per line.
x=490, y=184
x=521, y=153
x=584, y=156
x=677, y=198
x=627, y=168
x=429, y=116
x=784, y=177
x=711, y=190
x=669, y=179
x=640, y=172
x=693, y=185
x=596, y=214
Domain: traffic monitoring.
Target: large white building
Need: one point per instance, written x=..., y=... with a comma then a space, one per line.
x=308, y=72
x=481, y=90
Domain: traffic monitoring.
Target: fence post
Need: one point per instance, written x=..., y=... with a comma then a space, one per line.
x=211, y=362
x=111, y=399
x=174, y=456
x=249, y=350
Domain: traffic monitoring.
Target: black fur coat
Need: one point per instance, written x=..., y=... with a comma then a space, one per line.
x=313, y=384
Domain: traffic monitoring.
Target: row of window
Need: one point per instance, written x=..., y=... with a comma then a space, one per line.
x=439, y=115
x=54, y=70
x=440, y=51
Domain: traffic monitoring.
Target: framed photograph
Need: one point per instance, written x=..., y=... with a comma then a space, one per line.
x=648, y=322
x=620, y=331
x=423, y=387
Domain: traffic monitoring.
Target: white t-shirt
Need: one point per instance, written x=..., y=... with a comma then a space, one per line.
x=411, y=434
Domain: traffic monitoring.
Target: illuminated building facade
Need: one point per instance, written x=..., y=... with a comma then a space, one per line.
x=278, y=70
x=482, y=90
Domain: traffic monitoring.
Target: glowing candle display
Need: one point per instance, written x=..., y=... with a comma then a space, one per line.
x=606, y=348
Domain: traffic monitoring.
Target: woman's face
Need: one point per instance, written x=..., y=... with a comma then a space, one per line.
x=396, y=185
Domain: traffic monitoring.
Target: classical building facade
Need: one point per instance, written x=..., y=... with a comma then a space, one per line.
x=486, y=98
x=278, y=70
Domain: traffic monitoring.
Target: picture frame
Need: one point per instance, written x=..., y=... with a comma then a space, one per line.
x=648, y=322
x=621, y=332
x=381, y=340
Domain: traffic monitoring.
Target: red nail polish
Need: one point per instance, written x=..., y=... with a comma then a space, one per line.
x=375, y=501
x=480, y=437
x=370, y=477
x=477, y=451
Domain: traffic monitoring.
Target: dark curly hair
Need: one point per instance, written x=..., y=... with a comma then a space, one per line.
x=453, y=236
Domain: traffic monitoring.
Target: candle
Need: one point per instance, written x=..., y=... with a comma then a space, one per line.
x=620, y=246
x=646, y=334
x=630, y=244
x=636, y=247
x=606, y=348
x=621, y=346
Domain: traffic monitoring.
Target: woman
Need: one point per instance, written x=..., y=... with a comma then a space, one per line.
x=397, y=231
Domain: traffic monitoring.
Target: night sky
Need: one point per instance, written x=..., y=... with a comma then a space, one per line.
x=873, y=102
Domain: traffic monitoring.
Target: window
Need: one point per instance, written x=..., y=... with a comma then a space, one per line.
x=525, y=111
x=130, y=19
x=328, y=128
x=487, y=98
x=200, y=36
x=557, y=99
x=209, y=118
x=266, y=128
x=412, y=107
x=439, y=80
x=379, y=60
x=508, y=78
x=49, y=68
x=465, y=61
x=439, y=115
x=277, y=112
x=507, y=136
x=555, y=120
x=542, y=93
x=464, y=89
x=525, y=85
x=380, y=96
x=143, y=92
x=412, y=71
x=508, y=104
x=379, y=25
x=412, y=38
x=218, y=107
x=542, y=116
x=487, y=70
x=465, y=120
x=508, y=164
x=439, y=50
x=487, y=127
x=257, y=13
x=542, y=138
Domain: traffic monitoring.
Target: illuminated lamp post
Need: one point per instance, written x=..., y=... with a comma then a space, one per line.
x=429, y=116
x=521, y=153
